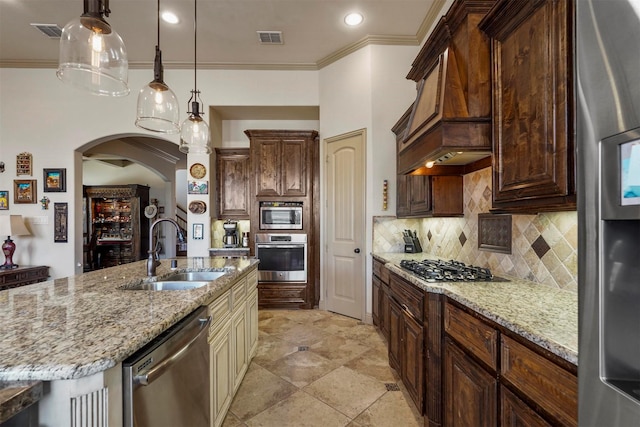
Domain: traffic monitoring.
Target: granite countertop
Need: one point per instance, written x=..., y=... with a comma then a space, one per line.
x=81, y=325
x=544, y=315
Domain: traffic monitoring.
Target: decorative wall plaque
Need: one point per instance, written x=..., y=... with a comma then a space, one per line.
x=23, y=164
x=494, y=233
x=60, y=221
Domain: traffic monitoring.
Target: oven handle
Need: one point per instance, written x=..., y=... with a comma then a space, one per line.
x=167, y=362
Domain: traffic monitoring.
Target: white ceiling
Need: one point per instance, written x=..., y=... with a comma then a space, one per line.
x=313, y=30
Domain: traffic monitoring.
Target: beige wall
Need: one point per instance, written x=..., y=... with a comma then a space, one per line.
x=457, y=238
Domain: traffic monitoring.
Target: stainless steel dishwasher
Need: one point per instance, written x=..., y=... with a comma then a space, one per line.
x=166, y=383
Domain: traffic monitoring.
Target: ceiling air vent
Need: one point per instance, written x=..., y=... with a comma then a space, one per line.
x=53, y=31
x=270, y=37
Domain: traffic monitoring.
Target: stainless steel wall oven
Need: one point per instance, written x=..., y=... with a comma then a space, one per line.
x=283, y=257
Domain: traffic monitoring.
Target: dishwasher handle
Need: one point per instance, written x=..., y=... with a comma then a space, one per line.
x=166, y=363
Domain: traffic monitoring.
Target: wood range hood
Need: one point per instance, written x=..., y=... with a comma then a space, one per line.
x=450, y=120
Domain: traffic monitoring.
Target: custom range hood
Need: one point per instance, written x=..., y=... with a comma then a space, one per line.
x=450, y=120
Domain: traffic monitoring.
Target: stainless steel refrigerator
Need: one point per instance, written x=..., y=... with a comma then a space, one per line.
x=608, y=144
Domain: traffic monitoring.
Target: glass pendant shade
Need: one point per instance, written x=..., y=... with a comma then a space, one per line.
x=194, y=134
x=158, y=108
x=93, y=56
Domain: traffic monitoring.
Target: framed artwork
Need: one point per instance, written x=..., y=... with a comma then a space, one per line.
x=198, y=187
x=23, y=164
x=24, y=191
x=198, y=231
x=55, y=180
x=4, y=200
x=60, y=221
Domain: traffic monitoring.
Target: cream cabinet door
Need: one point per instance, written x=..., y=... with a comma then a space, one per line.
x=252, y=323
x=220, y=348
x=240, y=350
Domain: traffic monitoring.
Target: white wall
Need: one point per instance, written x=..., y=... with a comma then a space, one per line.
x=233, y=135
x=367, y=89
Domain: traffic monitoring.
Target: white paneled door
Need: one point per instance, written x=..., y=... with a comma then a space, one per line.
x=344, y=266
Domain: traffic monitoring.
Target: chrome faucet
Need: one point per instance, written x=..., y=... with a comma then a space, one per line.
x=152, y=261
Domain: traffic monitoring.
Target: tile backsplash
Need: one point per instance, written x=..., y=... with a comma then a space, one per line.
x=544, y=246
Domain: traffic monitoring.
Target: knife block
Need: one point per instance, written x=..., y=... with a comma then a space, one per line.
x=412, y=245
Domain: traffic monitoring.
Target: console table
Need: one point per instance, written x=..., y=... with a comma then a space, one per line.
x=24, y=275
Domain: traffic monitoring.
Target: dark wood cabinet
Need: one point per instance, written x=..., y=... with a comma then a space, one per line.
x=233, y=171
x=470, y=393
x=118, y=229
x=380, y=295
x=23, y=275
x=515, y=413
x=462, y=369
x=395, y=334
x=285, y=168
x=532, y=49
x=375, y=300
x=406, y=336
x=536, y=389
x=425, y=196
x=413, y=358
x=280, y=163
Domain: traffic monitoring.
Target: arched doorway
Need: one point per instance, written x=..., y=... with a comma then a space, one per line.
x=130, y=159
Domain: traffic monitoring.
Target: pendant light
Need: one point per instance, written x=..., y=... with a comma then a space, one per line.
x=158, y=109
x=194, y=135
x=92, y=55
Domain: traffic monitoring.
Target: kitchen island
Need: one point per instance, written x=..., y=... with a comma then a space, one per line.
x=73, y=333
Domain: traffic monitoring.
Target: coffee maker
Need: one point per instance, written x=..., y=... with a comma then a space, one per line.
x=230, y=239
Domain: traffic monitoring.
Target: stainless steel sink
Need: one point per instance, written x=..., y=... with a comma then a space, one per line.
x=166, y=285
x=190, y=276
x=183, y=281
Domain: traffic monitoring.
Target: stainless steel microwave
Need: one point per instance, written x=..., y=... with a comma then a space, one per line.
x=280, y=215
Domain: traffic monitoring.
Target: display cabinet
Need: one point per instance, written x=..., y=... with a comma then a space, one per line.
x=117, y=229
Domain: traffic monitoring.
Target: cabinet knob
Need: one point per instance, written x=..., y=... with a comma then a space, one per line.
x=356, y=250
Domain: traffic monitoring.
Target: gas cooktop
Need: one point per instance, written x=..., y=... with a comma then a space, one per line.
x=448, y=271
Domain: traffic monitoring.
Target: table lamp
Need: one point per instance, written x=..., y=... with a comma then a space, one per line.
x=11, y=225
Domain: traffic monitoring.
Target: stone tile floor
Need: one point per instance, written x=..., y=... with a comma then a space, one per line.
x=316, y=368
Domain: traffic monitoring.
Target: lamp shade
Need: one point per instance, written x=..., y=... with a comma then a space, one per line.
x=93, y=58
x=158, y=109
x=13, y=225
x=194, y=136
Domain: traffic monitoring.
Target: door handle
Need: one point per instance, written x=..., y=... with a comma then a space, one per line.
x=356, y=250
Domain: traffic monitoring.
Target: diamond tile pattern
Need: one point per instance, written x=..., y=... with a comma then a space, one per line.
x=440, y=237
x=540, y=247
x=462, y=238
x=343, y=379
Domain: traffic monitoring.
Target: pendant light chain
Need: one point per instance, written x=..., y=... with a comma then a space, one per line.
x=195, y=45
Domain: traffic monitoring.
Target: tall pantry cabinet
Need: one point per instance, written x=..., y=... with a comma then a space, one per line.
x=116, y=230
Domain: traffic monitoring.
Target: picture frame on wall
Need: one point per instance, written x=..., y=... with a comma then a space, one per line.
x=60, y=221
x=4, y=200
x=23, y=163
x=55, y=180
x=198, y=187
x=24, y=191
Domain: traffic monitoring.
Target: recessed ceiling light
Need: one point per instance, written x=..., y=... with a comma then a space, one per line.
x=170, y=18
x=353, y=19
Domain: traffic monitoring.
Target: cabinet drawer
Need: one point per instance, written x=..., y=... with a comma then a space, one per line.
x=220, y=309
x=381, y=271
x=238, y=293
x=473, y=334
x=409, y=296
x=551, y=387
x=252, y=281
